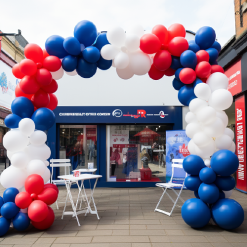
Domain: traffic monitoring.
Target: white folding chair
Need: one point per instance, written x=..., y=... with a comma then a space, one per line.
x=176, y=163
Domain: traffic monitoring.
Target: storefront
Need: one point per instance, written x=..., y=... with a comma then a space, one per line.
x=126, y=144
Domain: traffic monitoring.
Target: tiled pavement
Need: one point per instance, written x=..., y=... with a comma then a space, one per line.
x=127, y=220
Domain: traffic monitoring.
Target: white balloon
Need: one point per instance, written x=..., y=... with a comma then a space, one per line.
x=27, y=126
x=36, y=167
x=15, y=141
x=202, y=91
x=116, y=36
x=222, y=115
x=109, y=52
x=10, y=154
x=13, y=177
x=121, y=60
x=41, y=152
x=228, y=193
x=20, y=160
x=223, y=142
x=190, y=117
x=206, y=151
x=46, y=162
x=221, y=99
x=38, y=138
x=201, y=139
x=233, y=147
x=229, y=132
x=217, y=81
x=46, y=175
x=206, y=115
x=192, y=129
x=74, y=72
x=140, y=63
x=214, y=129
x=126, y=73
x=197, y=104
x=132, y=42
x=137, y=30
x=207, y=162
x=57, y=75
x=191, y=147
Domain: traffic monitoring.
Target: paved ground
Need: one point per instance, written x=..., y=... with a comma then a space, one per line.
x=127, y=220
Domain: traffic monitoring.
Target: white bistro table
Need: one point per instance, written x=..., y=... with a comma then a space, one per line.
x=82, y=193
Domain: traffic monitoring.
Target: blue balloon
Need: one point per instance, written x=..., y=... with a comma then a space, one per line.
x=193, y=46
x=101, y=41
x=69, y=63
x=43, y=118
x=228, y=214
x=192, y=183
x=192, y=164
x=85, y=69
x=23, y=107
x=86, y=32
x=177, y=73
x=209, y=193
x=104, y=64
x=177, y=84
x=207, y=175
x=205, y=37
x=10, y=194
x=4, y=226
x=188, y=59
x=186, y=94
x=225, y=183
x=91, y=54
x=213, y=54
x=72, y=46
x=54, y=46
x=9, y=210
x=12, y=121
x=224, y=162
x=196, y=194
x=1, y=203
x=195, y=213
x=176, y=63
x=217, y=46
x=196, y=81
x=21, y=221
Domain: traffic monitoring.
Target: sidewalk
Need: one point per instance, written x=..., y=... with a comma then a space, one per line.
x=127, y=220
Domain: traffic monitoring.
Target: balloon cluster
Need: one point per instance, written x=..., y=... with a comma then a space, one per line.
x=212, y=184
x=11, y=213
x=80, y=54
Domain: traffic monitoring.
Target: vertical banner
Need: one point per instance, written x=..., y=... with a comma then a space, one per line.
x=240, y=129
x=176, y=148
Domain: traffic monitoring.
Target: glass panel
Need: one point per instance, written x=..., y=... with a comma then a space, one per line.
x=136, y=153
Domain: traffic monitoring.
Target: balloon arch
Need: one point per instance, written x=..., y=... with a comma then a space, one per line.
x=201, y=84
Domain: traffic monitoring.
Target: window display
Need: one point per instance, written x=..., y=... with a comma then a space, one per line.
x=136, y=153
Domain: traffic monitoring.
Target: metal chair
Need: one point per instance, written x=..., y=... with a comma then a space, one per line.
x=176, y=163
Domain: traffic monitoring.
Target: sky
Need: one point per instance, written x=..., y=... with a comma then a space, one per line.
x=40, y=19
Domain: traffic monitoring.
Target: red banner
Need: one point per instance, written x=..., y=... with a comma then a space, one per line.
x=240, y=143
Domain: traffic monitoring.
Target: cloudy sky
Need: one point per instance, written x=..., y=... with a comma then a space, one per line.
x=40, y=19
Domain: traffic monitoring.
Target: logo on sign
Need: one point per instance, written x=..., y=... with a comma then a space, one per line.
x=117, y=113
x=184, y=150
x=162, y=114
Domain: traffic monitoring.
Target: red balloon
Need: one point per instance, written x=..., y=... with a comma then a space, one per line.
x=48, y=196
x=37, y=211
x=34, y=52
x=170, y=72
x=23, y=200
x=162, y=60
x=53, y=186
x=45, y=54
x=202, y=56
x=150, y=43
x=161, y=32
x=29, y=85
x=34, y=184
x=203, y=69
x=155, y=74
x=40, y=99
x=187, y=75
x=47, y=222
x=19, y=93
x=17, y=72
x=53, y=102
x=43, y=76
x=52, y=63
x=52, y=87
x=28, y=67
x=177, y=46
x=176, y=30
x=217, y=68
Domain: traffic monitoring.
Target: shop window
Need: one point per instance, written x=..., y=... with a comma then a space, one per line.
x=136, y=153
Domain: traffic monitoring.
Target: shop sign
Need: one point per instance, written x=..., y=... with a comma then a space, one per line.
x=240, y=130
x=234, y=77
